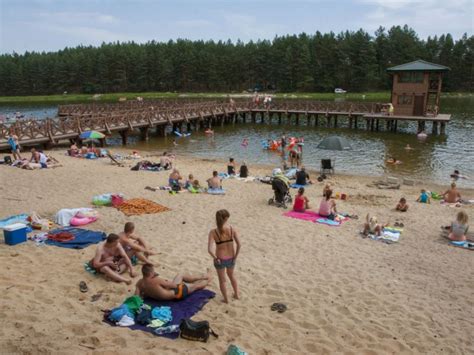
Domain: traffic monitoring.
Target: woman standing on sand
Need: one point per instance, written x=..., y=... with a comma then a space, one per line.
x=224, y=253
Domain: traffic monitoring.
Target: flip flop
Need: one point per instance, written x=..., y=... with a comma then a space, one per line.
x=279, y=307
x=83, y=287
x=96, y=297
x=150, y=188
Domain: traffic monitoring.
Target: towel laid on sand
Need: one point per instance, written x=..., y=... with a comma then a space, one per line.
x=315, y=217
x=19, y=218
x=180, y=310
x=297, y=186
x=138, y=206
x=389, y=235
x=216, y=191
x=64, y=216
x=82, y=238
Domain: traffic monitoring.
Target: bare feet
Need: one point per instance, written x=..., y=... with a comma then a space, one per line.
x=236, y=296
x=128, y=282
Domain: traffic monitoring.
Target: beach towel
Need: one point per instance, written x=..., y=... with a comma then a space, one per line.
x=180, y=310
x=315, y=217
x=216, y=191
x=138, y=206
x=224, y=176
x=297, y=186
x=389, y=235
x=19, y=218
x=64, y=216
x=466, y=244
x=82, y=238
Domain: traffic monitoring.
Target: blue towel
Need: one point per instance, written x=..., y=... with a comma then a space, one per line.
x=82, y=238
x=180, y=310
x=162, y=313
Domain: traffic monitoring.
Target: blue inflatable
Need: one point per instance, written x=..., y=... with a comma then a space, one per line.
x=182, y=134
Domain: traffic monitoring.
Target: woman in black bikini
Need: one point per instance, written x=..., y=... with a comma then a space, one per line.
x=224, y=254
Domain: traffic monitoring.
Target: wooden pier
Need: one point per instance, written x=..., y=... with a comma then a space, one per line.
x=145, y=116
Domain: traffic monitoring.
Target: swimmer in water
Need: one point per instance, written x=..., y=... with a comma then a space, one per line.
x=245, y=142
x=393, y=161
x=209, y=132
x=407, y=147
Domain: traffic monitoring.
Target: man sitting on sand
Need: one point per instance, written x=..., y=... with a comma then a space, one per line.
x=153, y=286
x=110, y=259
x=452, y=195
x=135, y=246
x=302, y=177
x=214, y=182
x=166, y=162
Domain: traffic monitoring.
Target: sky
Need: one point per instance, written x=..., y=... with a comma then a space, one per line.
x=49, y=25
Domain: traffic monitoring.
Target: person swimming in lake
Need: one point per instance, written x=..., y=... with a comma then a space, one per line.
x=224, y=247
x=456, y=175
x=408, y=147
x=209, y=131
x=393, y=161
x=301, y=203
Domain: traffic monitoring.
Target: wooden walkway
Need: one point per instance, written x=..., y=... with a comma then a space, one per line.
x=126, y=117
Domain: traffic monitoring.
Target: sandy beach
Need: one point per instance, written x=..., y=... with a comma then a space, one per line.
x=345, y=294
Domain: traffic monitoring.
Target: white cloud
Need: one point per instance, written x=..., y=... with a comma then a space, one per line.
x=78, y=17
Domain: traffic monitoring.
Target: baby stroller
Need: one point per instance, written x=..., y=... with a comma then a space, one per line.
x=281, y=193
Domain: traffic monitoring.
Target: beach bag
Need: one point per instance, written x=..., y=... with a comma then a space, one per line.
x=197, y=331
x=117, y=200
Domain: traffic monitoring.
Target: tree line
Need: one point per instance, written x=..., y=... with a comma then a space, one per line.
x=353, y=60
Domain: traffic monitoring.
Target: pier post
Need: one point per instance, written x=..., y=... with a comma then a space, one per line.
x=395, y=126
x=144, y=133
x=316, y=119
x=262, y=120
x=124, y=135
x=279, y=117
x=297, y=119
x=335, y=121
x=188, y=126
x=434, y=129
x=377, y=125
x=443, y=128
x=328, y=123
x=367, y=124
x=350, y=121
x=355, y=123
x=254, y=118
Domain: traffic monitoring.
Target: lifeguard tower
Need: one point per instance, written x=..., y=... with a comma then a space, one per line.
x=416, y=88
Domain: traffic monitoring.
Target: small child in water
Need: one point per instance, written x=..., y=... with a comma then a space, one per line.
x=402, y=205
x=301, y=202
x=459, y=227
x=424, y=197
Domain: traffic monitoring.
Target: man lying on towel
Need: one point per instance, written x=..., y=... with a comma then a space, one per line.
x=160, y=289
x=110, y=259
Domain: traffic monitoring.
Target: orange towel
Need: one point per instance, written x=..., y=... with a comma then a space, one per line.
x=138, y=206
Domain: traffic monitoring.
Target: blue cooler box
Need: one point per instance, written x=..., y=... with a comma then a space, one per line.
x=15, y=233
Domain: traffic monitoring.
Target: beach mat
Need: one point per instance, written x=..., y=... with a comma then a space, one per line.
x=390, y=235
x=82, y=238
x=180, y=310
x=313, y=217
x=297, y=186
x=139, y=206
x=468, y=244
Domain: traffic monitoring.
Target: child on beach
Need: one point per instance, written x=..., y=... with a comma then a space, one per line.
x=224, y=253
x=424, y=197
x=231, y=166
x=402, y=205
x=189, y=181
x=372, y=227
x=326, y=188
x=459, y=227
x=135, y=246
x=301, y=202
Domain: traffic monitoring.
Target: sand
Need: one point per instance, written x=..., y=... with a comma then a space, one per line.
x=344, y=294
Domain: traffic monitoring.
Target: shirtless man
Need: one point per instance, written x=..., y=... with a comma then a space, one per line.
x=38, y=158
x=110, y=259
x=214, y=182
x=160, y=289
x=166, y=162
x=452, y=195
x=135, y=246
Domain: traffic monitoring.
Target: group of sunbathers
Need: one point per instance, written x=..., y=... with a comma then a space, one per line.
x=114, y=257
x=327, y=206
x=38, y=160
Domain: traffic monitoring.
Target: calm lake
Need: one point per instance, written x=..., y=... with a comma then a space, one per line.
x=433, y=159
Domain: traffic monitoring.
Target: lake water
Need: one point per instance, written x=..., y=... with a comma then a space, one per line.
x=433, y=159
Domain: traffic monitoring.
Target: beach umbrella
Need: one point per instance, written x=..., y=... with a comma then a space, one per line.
x=91, y=135
x=334, y=143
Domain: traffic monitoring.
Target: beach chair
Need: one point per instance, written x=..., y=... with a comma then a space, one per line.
x=327, y=166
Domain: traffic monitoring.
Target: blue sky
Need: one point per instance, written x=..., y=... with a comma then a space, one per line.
x=54, y=24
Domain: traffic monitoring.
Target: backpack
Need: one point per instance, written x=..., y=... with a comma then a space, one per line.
x=197, y=331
